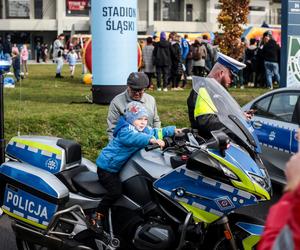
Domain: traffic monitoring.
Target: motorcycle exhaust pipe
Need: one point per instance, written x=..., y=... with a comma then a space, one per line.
x=37, y=237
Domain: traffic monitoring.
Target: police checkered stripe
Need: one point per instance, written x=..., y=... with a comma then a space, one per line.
x=18, y=213
x=6, y=208
x=20, y=145
x=270, y=146
x=36, y=150
x=210, y=181
x=165, y=192
x=32, y=219
x=185, y=200
x=279, y=124
x=198, y=205
x=22, y=215
x=46, y=153
x=223, y=186
x=45, y=223
x=227, y=188
x=190, y=174
x=216, y=212
x=244, y=194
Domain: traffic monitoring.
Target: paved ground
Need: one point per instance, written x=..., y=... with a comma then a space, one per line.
x=7, y=240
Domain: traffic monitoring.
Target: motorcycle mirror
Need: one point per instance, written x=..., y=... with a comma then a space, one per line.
x=221, y=141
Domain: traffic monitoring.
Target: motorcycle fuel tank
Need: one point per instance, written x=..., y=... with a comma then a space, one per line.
x=30, y=194
x=206, y=198
x=154, y=163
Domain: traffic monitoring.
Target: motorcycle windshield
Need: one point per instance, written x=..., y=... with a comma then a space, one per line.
x=228, y=111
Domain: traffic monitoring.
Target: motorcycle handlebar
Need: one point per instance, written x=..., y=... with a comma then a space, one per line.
x=151, y=147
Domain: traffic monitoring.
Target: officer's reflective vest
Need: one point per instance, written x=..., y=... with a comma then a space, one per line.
x=204, y=104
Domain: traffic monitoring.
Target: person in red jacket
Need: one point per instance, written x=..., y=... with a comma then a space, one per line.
x=282, y=229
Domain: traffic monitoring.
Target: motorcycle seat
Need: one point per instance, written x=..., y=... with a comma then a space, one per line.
x=88, y=184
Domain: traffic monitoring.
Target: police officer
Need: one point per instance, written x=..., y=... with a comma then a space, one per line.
x=200, y=115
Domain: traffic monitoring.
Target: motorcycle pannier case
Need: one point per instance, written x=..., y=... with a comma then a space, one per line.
x=49, y=153
x=30, y=194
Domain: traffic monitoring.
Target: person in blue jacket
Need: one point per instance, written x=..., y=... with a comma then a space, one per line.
x=130, y=135
x=185, y=49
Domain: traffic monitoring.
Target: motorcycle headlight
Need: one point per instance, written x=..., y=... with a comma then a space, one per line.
x=259, y=180
x=228, y=172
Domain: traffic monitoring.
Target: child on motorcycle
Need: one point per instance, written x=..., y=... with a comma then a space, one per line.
x=130, y=135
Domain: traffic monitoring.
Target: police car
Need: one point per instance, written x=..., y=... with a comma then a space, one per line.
x=276, y=120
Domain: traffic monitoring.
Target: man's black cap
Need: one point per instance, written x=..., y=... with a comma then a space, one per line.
x=267, y=33
x=138, y=80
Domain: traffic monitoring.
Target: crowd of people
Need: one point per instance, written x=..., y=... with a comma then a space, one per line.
x=175, y=59
x=18, y=55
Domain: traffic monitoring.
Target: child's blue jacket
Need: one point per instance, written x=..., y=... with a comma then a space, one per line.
x=127, y=140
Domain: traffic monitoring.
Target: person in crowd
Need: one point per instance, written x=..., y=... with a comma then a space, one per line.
x=7, y=48
x=176, y=68
x=189, y=60
x=149, y=68
x=131, y=134
x=136, y=84
x=260, y=73
x=84, y=69
x=209, y=61
x=38, y=49
x=16, y=65
x=24, y=59
x=185, y=48
x=162, y=61
x=1, y=47
x=250, y=58
x=201, y=117
x=199, y=54
x=282, y=228
x=45, y=52
x=58, y=50
x=72, y=60
x=271, y=54
x=238, y=53
x=15, y=48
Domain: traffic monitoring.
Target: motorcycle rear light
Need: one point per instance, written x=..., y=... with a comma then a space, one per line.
x=184, y=157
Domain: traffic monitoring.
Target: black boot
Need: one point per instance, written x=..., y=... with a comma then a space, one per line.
x=58, y=75
x=95, y=222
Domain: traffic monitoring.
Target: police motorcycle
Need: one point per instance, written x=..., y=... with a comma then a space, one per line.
x=183, y=197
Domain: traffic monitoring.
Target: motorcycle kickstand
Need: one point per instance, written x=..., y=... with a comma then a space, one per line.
x=184, y=229
x=227, y=232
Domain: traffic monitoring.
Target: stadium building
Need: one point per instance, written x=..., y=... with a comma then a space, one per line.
x=32, y=21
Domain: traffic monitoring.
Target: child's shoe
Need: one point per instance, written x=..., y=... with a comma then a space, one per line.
x=96, y=223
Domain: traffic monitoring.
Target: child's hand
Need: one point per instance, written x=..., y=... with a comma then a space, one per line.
x=160, y=142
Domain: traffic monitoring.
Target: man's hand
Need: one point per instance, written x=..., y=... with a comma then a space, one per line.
x=292, y=172
x=249, y=114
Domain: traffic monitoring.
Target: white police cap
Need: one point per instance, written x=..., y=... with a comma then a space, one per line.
x=233, y=65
